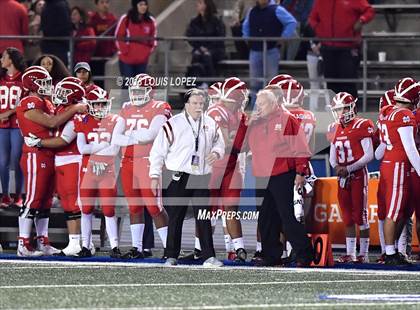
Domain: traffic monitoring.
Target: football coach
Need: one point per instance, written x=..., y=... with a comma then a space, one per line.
x=188, y=144
x=279, y=161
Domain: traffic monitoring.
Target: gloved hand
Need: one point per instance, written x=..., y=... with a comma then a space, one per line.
x=98, y=168
x=32, y=140
x=298, y=204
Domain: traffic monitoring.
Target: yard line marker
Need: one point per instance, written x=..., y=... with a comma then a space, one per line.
x=346, y=281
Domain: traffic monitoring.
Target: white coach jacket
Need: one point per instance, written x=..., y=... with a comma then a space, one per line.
x=174, y=145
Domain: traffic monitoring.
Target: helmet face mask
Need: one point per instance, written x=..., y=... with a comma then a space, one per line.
x=99, y=108
x=45, y=86
x=140, y=95
x=59, y=97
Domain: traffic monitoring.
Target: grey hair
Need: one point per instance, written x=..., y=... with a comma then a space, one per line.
x=269, y=95
x=195, y=92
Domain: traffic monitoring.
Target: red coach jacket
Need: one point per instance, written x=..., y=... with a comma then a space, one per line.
x=278, y=145
x=336, y=18
x=135, y=52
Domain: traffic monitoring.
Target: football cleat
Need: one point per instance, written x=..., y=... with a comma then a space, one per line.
x=196, y=255
x=115, y=253
x=258, y=255
x=84, y=253
x=45, y=246
x=6, y=201
x=393, y=260
x=404, y=259
x=231, y=256
x=170, y=262
x=346, y=259
x=92, y=248
x=133, y=253
x=147, y=253
x=18, y=202
x=25, y=249
x=362, y=259
x=212, y=262
x=381, y=259
x=240, y=255
x=71, y=250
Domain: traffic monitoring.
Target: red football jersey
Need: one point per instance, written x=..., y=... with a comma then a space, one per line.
x=71, y=148
x=417, y=136
x=390, y=119
x=11, y=92
x=228, y=120
x=27, y=126
x=347, y=140
x=137, y=117
x=96, y=131
x=307, y=121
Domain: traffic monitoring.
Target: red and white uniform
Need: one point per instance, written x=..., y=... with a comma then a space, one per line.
x=394, y=183
x=91, y=133
x=11, y=91
x=352, y=147
x=415, y=179
x=141, y=125
x=37, y=163
x=67, y=166
x=226, y=180
x=307, y=121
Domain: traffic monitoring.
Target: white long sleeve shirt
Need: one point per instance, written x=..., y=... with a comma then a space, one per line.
x=174, y=145
x=368, y=155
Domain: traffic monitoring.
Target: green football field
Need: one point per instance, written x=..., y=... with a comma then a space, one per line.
x=78, y=285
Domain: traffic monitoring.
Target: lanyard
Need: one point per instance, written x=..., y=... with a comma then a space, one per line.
x=196, y=134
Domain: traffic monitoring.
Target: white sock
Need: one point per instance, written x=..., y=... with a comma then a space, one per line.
x=197, y=244
x=390, y=249
x=86, y=222
x=227, y=243
x=364, y=246
x=25, y=227
x=259, y=247
x=74, y=239
x=284, y=254
x=137, y=231
x=381, y=235
x=402, y=241
x=238, y=243
x=41, y=226
x=351, y=247
x=163, y=234
x=288, y=248
x=112, y=230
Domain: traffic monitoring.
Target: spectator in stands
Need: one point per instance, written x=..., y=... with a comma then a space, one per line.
x=12, y=67
x=300, y=9
x=341, y=19
x=83, y=49
x=266, y=20
x=83, y=72
x=56, y=22
x=103, y=22
x=14, y=22
x=33, y=47
x=206, y=54
x=134, y=53
x=54, y=66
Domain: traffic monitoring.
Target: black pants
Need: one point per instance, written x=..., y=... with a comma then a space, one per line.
x=194, y=189
x=341, y=63
x=148, y=236
x=277, y=214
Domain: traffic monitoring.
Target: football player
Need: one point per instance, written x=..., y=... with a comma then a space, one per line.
x=140, y=121
x=67, y=159
x=97, y=177
x=36, y=117
x=397, y=128
x=350, y=151
x=226, y=179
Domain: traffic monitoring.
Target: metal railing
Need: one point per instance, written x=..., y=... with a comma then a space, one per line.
x=165, y=45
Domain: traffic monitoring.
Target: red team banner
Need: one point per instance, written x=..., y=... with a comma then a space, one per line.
x=324, y=216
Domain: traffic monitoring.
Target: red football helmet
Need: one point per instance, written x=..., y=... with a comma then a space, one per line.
x=293, y=94
x=140, y=90
x=278, y=80
x=98, y=102
x=214, y=92
x=234, y=90
x=343, y=107
x=387, y=99
x=72, y=79
x=37, y=79
x=68, y=91
x=407, y=91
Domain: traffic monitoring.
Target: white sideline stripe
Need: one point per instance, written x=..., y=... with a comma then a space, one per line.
x=222, y=269
x=346, y=281
x=255, y=306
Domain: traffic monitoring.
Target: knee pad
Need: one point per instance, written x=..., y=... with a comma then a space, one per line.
x=26, y=212
x=43, y=213
x=71, y=216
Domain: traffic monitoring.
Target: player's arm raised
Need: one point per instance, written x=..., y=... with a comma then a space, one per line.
x=53, y=121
